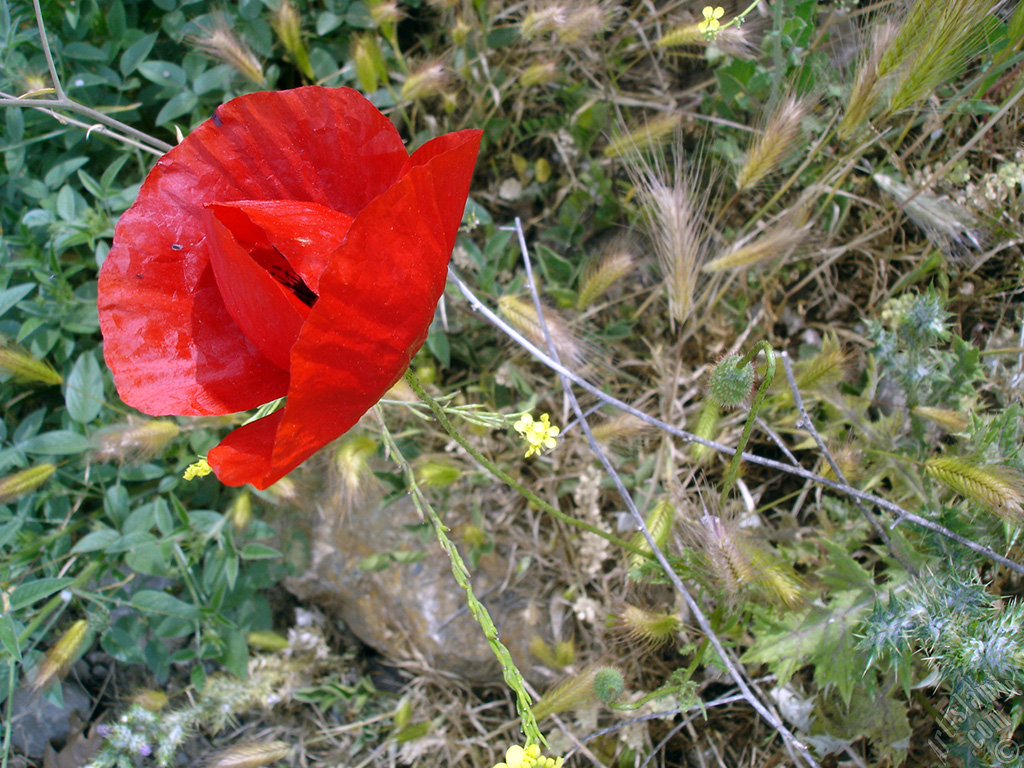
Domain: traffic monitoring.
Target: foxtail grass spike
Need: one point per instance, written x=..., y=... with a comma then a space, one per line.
x=999, y=488
x=18, y=484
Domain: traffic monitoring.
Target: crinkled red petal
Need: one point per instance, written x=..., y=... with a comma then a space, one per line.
x=168, y=338
x=269, y=314
x=304, y=234
x=377, y=299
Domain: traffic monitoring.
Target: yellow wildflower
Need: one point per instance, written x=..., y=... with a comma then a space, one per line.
x=711, y=17
x=517, y=757
x=197, y=469
x=539, y=434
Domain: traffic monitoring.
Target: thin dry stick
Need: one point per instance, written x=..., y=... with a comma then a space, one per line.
x=63, y=102
x=7, y=100
x=806, y=423
x=738, y=674
x=896, y=510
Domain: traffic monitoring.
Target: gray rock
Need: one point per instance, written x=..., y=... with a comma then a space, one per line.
x=35, y=720
x=413, y=610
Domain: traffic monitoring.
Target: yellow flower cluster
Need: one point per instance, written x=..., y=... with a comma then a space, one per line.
x=711, y=19
x=517, y=757
x=540, y=435
x=197, y=469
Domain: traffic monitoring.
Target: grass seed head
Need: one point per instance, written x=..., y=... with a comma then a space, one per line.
x=736, y=562
x=659, y=524
x=220, y=43
x=777, y=142
x=250, y=755
x=674, y=216
x=287, y=24
x=999, y=488
x=133, y=441
x=540, y=73
x=23, y=366
x=426, y=82
x=652, y=629
x=573, y=692
x=16, y=485
x=58, y=660
x=776, y=243
x=825, y=368
x=954, y=422
x=864, y=95
x=933, y=44
x=949, y=226
x=522, y=315
x=651, y=134
x=608, y=269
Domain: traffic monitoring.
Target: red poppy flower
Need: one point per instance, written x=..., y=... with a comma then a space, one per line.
x=291, y=246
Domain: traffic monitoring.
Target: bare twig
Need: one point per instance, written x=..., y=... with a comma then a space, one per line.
x=122, y=131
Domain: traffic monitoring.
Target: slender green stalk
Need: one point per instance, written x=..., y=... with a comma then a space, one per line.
x=499, y=473
x=509, y=670
x=762, y=392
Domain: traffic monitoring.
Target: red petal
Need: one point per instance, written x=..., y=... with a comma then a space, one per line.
x=306, y=234
x=168, y=338
x=377, y=299
x=268, y=314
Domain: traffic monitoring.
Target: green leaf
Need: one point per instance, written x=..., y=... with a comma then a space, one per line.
x=67, y=205
x=84, y=397
x=11, y=296
x=136, y=53
x=163, y=73
x=236, y=653
x=59, y=173
x=116, y=21
x=37, y=590
x=151, y=601
x=823, y=636
x=179, y=105
x=9, y=636
x=96, y=541
x=437, y=343
x=60, y=442
x=259, y=552
x=84, y=52
x=9, y=530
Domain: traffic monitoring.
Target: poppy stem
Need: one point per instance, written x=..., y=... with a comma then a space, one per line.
x=477, y=610
x=507, y=479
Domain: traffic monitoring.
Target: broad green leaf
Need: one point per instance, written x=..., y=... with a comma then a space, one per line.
x=163, y=73
x=152, y=601
x=59, y=173
x=84, y=397
x=84, y=52
x=67, y=205
x=96, y=541
x=11, y=296
x=9, y=631
x=178, y=105
x=39, y=589
x=236, y=653
x=136, y=53
x=60, y=442
x=823, y=636
x=116, y=22
x=9, y=530
x=259, y=552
